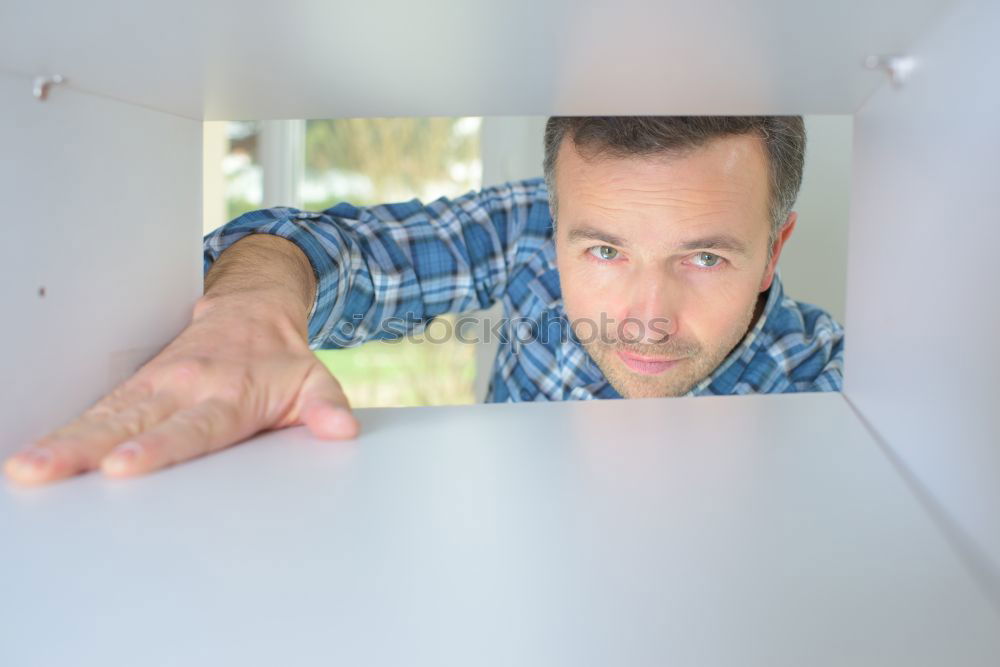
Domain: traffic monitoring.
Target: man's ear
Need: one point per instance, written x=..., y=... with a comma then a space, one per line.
x=779, y=243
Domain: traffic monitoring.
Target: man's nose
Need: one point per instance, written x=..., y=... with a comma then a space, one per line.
x=651, y=316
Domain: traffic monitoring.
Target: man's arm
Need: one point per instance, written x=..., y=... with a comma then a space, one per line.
x=277, y=282
x=242, y=366
x=262, y=263
x=385, y=270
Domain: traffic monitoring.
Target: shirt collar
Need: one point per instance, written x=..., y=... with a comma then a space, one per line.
x=725, y=376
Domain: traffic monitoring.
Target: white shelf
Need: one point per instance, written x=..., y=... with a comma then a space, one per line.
x=314, y=59
x=752, y=530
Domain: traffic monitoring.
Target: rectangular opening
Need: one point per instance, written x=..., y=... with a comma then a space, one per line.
x=313, y=165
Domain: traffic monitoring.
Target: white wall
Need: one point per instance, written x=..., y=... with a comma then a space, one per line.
x=102, y=203
x=814, y=261
x=923, y=360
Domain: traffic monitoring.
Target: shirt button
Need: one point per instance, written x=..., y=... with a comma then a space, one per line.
x=526, y=395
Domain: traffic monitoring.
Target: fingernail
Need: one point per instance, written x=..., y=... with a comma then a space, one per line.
x=123, y=456
x=32, y=461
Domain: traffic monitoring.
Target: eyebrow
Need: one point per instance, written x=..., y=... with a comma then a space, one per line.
x=594, y=234
x=716, y=242
x=713, y=242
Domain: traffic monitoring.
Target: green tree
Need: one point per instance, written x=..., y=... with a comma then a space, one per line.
x=398, y=155
x=401, y=157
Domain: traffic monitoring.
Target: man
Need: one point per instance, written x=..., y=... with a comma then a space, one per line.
x=644, y=265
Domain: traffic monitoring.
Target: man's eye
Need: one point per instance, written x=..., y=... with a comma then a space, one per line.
x=603, y=252
x=707, y=259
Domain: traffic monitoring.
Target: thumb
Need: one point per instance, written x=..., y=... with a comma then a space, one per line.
x=325, y=409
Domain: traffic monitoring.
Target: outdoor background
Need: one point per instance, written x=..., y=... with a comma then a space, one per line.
x=316, y=163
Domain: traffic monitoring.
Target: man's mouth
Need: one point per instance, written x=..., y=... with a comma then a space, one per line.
x=646, y=365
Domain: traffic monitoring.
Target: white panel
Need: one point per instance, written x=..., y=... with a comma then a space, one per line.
x=814, y=262
x=282, y=154
x=922, y=357
x=764, y=531
x=513, y=147
x=102, y=209
x=319, y=58
x=215, y=144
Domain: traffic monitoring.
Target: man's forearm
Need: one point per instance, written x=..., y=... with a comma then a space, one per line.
x=263, y=266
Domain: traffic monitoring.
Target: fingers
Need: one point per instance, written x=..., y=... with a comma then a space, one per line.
x=123, y=396
x=82, y=444
x=326, y=411
x=188, y=433
x=215, y=424
x=193, y=411
x=330, y=421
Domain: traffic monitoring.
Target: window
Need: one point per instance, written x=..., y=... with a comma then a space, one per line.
x=314, y=165
x=241, y=167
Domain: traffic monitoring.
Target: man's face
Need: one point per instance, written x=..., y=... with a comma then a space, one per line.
x=662, y=259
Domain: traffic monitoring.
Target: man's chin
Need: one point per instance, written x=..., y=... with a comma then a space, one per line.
x=642, y=390
x=675, y=381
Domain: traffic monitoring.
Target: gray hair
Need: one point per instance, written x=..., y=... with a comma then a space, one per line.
x=784, y=139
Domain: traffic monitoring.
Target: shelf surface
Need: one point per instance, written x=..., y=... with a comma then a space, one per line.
x=751, y=530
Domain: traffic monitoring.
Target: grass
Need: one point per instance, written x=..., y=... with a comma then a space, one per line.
x=410, y=372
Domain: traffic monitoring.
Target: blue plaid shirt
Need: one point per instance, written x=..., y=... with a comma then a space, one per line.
x=386, y=270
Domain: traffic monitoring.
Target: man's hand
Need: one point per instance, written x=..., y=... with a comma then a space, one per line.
x=242, y=366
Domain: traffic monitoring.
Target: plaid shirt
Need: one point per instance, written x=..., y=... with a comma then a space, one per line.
x=386, y=270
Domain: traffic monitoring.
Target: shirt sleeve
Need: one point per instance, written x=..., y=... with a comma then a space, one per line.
x=831, y=378
x=383, y=271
